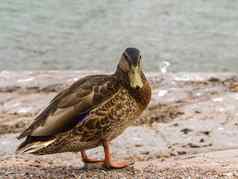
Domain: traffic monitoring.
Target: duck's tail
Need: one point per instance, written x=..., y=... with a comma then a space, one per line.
x=32, y=145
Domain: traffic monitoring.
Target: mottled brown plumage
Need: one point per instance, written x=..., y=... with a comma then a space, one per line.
x=91, y=112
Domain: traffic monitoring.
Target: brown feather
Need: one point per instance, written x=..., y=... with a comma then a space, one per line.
x=81, y=96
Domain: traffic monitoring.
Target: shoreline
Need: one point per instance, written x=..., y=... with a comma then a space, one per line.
x=189, y=129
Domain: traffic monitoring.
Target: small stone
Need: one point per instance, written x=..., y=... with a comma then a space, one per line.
x=202, y=140
x=186, y=130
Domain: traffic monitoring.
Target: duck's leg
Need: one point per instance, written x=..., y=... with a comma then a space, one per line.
x=86, y=159
x=108, y=163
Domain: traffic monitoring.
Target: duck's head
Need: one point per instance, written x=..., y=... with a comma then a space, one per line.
x=130, y=68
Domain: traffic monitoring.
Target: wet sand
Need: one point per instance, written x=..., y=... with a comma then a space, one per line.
x=189, y=129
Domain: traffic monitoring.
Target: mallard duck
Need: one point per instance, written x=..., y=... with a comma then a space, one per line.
x=91, y=112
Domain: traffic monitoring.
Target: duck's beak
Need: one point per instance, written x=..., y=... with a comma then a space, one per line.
x=135, y=77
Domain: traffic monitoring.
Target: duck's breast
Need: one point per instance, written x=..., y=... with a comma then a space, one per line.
x=112, y=117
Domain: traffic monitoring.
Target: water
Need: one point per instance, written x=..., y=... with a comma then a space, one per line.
x=190, y=35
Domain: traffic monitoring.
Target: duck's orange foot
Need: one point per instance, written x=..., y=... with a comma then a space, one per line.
x=108, y=163
x=115, y=165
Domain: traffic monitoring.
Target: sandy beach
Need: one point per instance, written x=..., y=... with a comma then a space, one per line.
x=189, y=129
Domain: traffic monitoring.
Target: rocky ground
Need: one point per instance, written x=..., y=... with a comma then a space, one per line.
x=190, y=129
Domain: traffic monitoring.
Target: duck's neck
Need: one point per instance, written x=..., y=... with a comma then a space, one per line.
x=141, y=95
x=122, y=77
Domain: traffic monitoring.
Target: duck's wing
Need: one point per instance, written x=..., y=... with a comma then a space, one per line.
x=72, y=105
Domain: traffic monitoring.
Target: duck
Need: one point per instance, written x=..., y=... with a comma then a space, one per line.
x=91, y=112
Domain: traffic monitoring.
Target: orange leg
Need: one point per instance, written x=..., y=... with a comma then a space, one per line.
x=86, y=159
x=108, y=163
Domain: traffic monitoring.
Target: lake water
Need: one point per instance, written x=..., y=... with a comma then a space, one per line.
x=196, y=35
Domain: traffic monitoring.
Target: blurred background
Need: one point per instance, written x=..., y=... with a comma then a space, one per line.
x=191, y=36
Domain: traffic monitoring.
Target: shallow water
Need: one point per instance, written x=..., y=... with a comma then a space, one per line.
x=51, y=34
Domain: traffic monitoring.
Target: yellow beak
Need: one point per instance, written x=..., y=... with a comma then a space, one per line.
x=135, y=78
